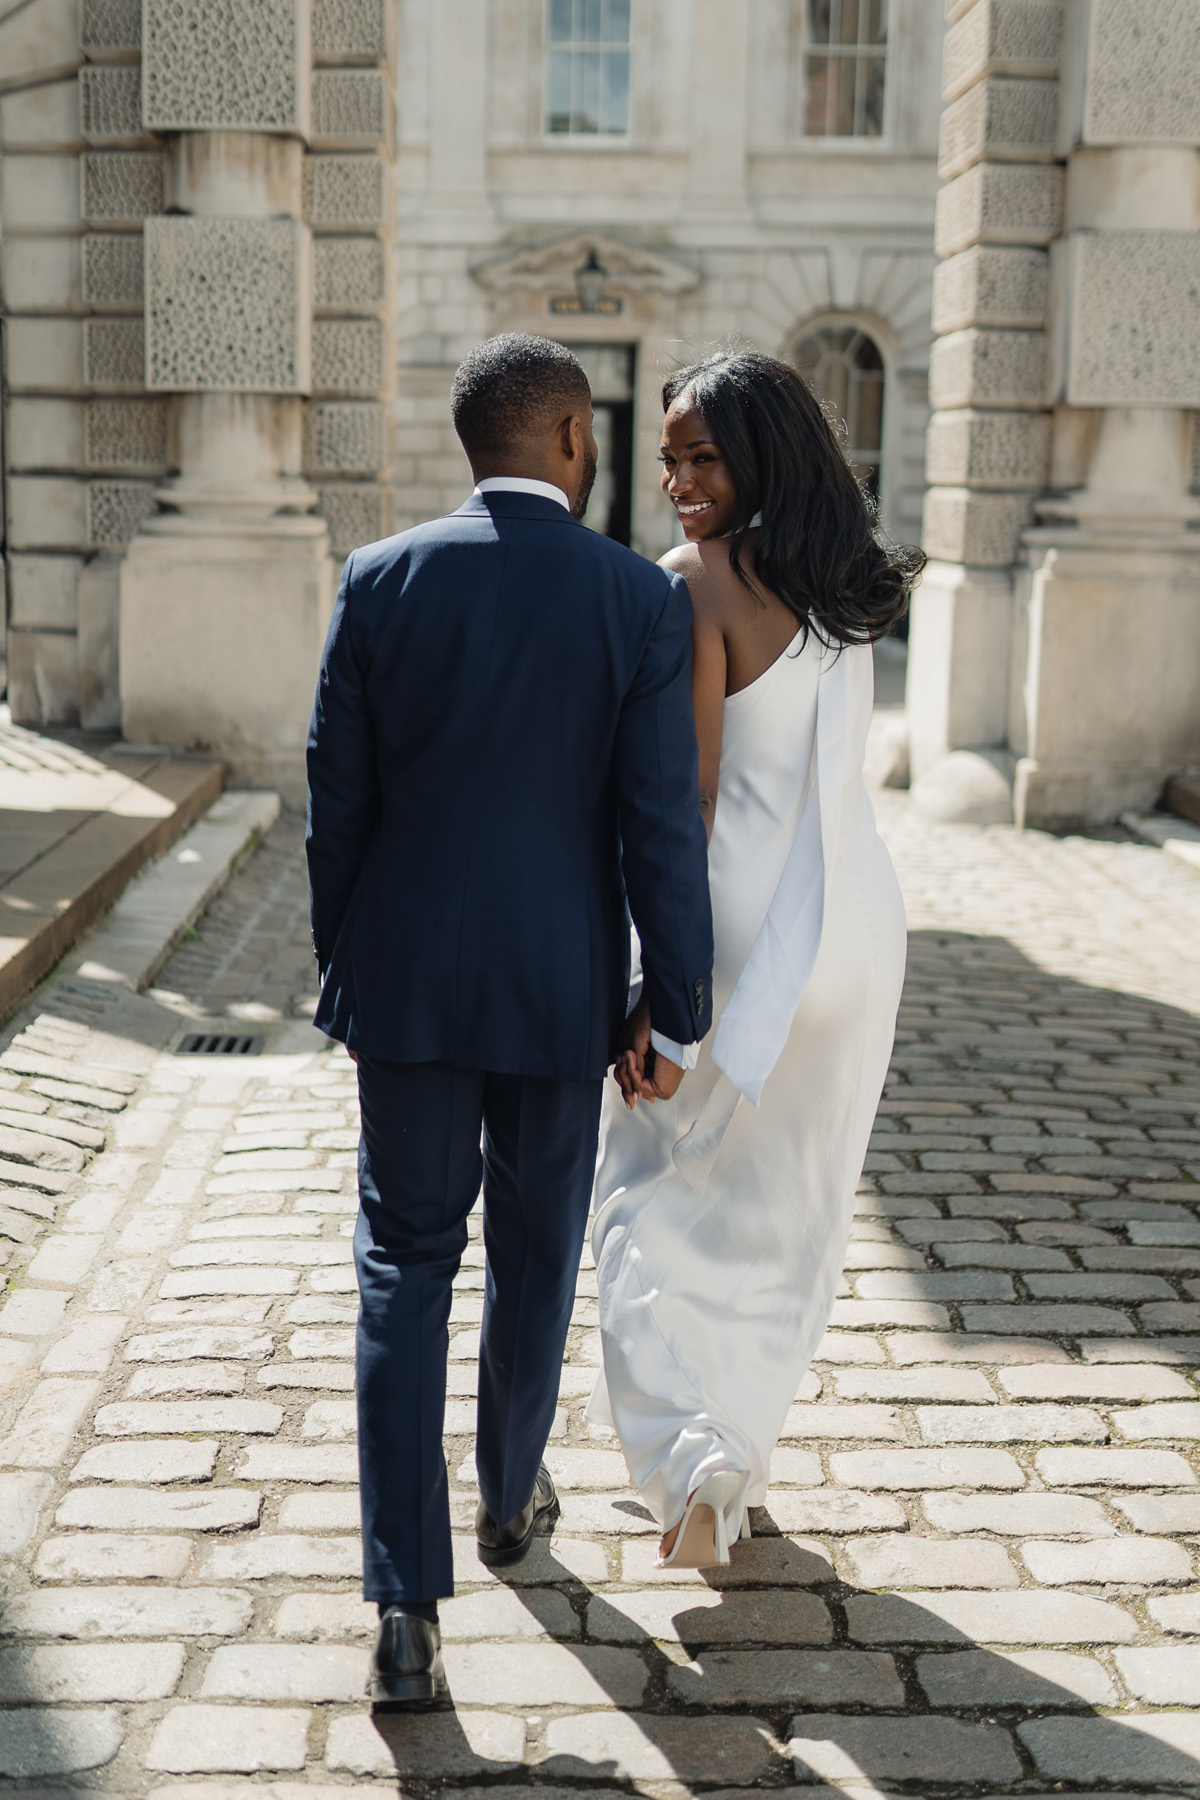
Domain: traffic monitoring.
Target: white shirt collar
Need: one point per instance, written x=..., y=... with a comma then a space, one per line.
x=522, y=484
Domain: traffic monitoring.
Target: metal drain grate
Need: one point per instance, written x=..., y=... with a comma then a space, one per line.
x=219, y=1043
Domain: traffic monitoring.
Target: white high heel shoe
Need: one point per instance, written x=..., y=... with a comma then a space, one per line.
x=702, y=1541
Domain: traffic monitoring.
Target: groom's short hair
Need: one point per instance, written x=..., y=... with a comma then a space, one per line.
x=513, y=388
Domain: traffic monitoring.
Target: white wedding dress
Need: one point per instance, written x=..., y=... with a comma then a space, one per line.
x=722, y=1216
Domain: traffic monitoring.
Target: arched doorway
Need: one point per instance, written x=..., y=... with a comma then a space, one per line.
x=844, y=366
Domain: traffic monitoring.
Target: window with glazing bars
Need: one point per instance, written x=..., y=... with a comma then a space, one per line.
x=844, y=368
x=587, y=70
x=845, y=66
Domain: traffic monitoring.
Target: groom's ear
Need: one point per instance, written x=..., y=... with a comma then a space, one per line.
x=571, y=437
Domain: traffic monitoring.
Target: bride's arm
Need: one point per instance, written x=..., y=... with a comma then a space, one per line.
x=708, y=674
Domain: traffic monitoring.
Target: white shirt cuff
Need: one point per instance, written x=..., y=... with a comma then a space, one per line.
x=684, y=1056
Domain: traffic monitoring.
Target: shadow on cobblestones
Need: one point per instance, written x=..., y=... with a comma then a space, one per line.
x=976, y=1572
x=688, y=1713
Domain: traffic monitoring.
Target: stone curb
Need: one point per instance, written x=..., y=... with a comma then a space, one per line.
x=157, y=908
x=32, y=959
x=1166, y=832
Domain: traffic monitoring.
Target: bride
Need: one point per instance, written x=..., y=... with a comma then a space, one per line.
x=723, y=1210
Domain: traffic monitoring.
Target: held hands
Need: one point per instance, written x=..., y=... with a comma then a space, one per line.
x=640, y=1073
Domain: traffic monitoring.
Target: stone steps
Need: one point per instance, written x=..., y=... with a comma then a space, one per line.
x=78, y=819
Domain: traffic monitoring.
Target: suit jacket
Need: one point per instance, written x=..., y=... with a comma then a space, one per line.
x=501, y=754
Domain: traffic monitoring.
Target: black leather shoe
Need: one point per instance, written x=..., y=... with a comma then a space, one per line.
x=502, y=1545
x=406, y=1665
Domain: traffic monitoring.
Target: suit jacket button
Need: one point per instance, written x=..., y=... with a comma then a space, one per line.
x=698, y=994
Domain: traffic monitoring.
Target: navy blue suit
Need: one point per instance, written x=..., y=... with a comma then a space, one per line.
x=502, y=756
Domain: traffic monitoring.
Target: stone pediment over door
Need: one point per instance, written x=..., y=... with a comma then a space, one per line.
x=549, y=268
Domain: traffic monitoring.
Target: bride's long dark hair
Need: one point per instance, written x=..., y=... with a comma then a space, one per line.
x=817, y=546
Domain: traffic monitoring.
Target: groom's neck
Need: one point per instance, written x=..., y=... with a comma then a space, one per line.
x=527, y=468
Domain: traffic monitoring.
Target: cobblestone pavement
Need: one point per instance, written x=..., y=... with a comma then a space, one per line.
x=975, y=1574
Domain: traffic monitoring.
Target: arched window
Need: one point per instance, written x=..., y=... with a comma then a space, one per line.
x=845, y=370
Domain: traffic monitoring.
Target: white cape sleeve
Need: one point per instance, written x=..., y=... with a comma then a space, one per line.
x=754, y=1026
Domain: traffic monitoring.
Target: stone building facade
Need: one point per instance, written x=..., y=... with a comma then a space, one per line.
x=725, y=196
x=244, y=247
x=1055, y=644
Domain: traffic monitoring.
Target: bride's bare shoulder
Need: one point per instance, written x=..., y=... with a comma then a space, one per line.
x=705, y=568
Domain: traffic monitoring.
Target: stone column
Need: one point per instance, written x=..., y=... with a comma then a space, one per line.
x=225, y=595
x=1105, y=695
x=989, y=436
x=348, y=206
x=1056, y=639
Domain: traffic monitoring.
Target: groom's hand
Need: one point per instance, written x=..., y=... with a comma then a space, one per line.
x=662, y=1077
x=640, y=1071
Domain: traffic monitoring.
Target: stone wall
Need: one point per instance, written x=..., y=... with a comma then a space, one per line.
x=1057, y=633
x=85, y=444
x=240, y=271
x=349, y=208
x=121, y=295
x=758, y=233
x=988, y=451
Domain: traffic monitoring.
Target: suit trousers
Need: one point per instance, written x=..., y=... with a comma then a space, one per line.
x=420, y=1163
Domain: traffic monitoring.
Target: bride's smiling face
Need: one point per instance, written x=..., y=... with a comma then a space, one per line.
x=695, y=477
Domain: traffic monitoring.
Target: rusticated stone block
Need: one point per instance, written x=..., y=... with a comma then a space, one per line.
x=988, y=368
x=349, y=274
x=126, y=434
x=43, y=433
x=991, y=285
x=110, y=29
x=42, y=275
x=39, y=193
x=345, y=191
x=99, y=683
x=112, y=270
x=1142, y=73
x=988, y=449
x=114, y=353
x=1002, y=37
x=982, y=530
x=351, y=110
x=213, y=65
x=43, y=592
x=43, y=677
x=356, y=513
x=121, y=187
x=115, y=509
x=349, y=356
x=110, y=103
x=350, y=30
x=1135, y=319
x=1004, y=119
x=225, y=305
x=41, y=118
x=999, y=203
x=45, y=355
x=345, y=437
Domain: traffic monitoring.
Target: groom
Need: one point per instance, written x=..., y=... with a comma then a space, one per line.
x=501, y=755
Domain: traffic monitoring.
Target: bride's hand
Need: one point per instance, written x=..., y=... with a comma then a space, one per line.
x=628, y=1078
x=629, y=1072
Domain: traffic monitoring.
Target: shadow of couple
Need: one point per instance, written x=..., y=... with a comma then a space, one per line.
x=782, y=1670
